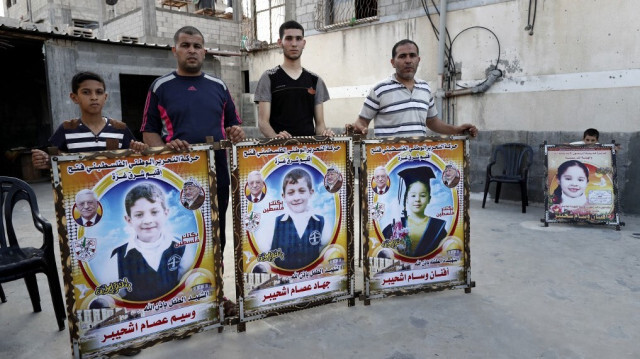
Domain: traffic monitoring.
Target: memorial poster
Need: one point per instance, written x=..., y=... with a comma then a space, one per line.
x=581, y=184
x=139, y=250
x=415, y=215
x=294, y=241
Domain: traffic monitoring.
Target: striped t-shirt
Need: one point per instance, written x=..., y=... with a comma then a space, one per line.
x=75, y=136
x=397, y=111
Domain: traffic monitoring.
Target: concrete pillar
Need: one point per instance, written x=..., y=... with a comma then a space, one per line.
x=289, y=10
x=150, y=26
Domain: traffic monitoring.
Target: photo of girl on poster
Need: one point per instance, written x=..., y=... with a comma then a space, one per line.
x=573, y=178
x=422, y=233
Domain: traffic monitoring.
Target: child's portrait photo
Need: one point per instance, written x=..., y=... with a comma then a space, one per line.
x=298, y=233
x=420, y=232
x=572, y=178
x=149, y=260
x=418, y=209
x=142, y=241
x=297, y=216
x=580, y=184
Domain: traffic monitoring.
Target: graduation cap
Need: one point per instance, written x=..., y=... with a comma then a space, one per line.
x=411, y=175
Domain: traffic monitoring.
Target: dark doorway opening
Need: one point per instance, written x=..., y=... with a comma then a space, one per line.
x=24, y=105
x=133, y=97
x=245, y=81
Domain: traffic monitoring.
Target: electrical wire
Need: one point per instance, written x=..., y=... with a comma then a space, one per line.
x=470, y=28
x=450, y=64
x=531, y=20
x=447, y=54
x=447, y=49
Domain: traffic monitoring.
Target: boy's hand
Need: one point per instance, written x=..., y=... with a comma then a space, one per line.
x=138, y=146
x=40, y=159
x=328, y=132
x=178, y=145
x=235, y=133
x=283, y=134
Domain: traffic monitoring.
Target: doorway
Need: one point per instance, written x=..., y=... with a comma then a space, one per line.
x=24, y=105
x=133, y=97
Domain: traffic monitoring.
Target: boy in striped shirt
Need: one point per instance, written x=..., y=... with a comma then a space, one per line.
x=92, y=131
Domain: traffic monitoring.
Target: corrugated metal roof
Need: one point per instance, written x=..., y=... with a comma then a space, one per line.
x=33, y=31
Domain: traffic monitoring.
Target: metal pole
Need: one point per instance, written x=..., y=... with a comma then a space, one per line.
x=442, y=31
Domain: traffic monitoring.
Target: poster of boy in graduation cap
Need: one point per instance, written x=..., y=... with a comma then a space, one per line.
x=414, y=230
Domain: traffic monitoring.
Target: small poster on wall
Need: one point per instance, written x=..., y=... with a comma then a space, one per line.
x=581, y=184
x=415, y=215
x=293, y=230
x=139, y=253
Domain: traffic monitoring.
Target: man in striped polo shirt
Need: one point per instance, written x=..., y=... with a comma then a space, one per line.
x=403, y=105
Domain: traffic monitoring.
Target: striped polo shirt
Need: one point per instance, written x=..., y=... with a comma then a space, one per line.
x=397, y=111
x=75, y=136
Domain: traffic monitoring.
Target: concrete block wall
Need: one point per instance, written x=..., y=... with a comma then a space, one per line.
x=85, y=10
x=390, y=7
x=219, y=33
x=306, y=13
x=230, y=74
x=248, y=112
x=55, y=13
x=39, y=8
x=125, y=6
x=18, y=10
x=129, y=25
